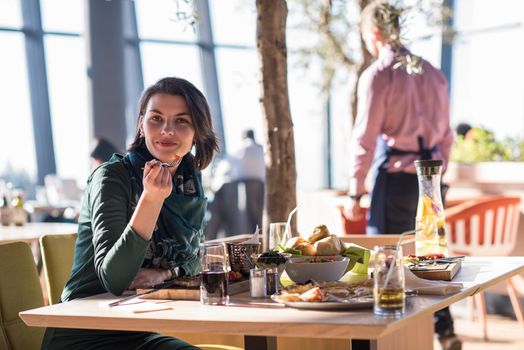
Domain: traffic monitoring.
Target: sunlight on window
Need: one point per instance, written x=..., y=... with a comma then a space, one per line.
x=226, y=19
x=54, y=20
x=163, y=20
x=66, y=62
x=164, y=60
x=17, y=142
x=10, y=15
x=239, y=94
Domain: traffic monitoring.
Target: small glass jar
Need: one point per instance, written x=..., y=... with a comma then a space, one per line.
x=257, y=283
x=272, y=280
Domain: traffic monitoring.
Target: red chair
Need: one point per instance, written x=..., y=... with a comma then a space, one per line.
x=353, y=227
x=485, y=226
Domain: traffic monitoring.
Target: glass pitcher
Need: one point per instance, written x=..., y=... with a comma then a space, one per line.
x=431, y=239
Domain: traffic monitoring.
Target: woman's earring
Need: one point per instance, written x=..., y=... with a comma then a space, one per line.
x=141, y=133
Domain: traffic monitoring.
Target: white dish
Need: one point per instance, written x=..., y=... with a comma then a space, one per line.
x=300, y=270
x=352, y=304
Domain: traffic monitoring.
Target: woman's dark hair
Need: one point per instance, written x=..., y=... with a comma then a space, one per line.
x=205, y=139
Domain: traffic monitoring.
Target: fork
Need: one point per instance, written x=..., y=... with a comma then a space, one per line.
x=173, y=164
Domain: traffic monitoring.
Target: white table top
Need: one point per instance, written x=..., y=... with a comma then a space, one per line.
x=31, y=232
x=247, y=316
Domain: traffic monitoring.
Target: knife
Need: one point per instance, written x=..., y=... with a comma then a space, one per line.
x=155, y=288
x=447, y=260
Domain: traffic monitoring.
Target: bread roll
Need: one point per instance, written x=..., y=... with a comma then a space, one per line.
x=294, y=242
x=306, y=249
x=321, y=231
x=331, y=245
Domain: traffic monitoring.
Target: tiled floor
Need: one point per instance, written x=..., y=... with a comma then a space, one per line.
x=503, y=333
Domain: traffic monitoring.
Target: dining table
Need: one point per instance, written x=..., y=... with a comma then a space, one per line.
x=32, y=231
x=261, y=321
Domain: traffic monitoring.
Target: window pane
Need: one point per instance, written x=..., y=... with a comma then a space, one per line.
x=307, y=110
x=482, y=92
x=65, y=57
x=158, y=20
x=239, y=95
x=10, y=14
x=54, y=20
x=228, y=16
x=474, y=14
x=16, y=143
x=164, y=60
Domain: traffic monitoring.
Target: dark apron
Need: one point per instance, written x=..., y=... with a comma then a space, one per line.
x=376, y=215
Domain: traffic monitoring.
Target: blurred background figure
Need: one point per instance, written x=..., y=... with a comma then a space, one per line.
x=462, y=129
x=102, y=152
x=238, y=186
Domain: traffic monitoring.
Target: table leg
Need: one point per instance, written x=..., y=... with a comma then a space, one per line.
x=252, y=342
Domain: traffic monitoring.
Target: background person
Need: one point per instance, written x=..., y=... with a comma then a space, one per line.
x=141, y=223
x=238, y=186
x=402, y=116
x=102, y=152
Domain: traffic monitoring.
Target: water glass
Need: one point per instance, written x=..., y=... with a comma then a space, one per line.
x=278, y=235
x=388, y=281
x=214, y=265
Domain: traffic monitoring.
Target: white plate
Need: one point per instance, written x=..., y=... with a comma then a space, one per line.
x=352, y=304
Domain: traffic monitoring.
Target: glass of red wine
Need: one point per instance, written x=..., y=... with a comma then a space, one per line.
x=214, y=265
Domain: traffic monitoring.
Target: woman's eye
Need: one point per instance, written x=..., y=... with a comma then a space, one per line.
x=182, y=121
x=156, y=118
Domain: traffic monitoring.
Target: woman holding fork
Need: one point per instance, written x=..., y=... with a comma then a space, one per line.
x=142, y=216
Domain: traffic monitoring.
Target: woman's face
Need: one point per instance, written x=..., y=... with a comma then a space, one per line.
x=167, y=127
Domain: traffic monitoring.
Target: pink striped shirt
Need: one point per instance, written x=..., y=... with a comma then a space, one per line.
x=398, y=107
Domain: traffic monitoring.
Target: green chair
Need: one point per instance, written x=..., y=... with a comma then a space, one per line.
x=58, y=252
x=20, y=290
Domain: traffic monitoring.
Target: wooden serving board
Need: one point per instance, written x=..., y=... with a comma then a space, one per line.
x=440, y=271
x=192, y=293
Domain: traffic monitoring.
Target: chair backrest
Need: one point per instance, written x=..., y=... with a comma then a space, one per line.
x=57, y=256
x=20, y=290
x=483, y=227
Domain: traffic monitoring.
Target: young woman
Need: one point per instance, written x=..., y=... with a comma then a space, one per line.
x=141, y=220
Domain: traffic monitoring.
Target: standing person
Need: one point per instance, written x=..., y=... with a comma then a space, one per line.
x=402, y=116
x=250, y=162
x=141, y=221
x=238, y=185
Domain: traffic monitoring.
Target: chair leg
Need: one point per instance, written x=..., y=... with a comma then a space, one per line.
x=512, y=292
x=471, y=309
x=481, y=305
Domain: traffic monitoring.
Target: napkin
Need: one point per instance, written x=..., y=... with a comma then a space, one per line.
x=359, y=258
x=429, y=287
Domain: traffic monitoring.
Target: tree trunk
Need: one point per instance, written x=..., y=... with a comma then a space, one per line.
x=366, y=61
x=280, y=197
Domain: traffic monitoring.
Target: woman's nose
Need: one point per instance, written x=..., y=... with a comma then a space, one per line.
x=169, y=128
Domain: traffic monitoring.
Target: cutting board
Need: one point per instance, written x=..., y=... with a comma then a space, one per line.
x=192, y=293
x=439, y=271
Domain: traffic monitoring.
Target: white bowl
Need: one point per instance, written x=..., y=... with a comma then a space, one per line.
x=303, y=269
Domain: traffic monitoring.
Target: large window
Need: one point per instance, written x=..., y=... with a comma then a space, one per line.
x=65, y=58
x=487, y=85
x=16, y=142
x=66, y=75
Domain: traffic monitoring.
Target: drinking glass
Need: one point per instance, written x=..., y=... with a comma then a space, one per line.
x=388, y=281
x=278, y=235
x=214, y=270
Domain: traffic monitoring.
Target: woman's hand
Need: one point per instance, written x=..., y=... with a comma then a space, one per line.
x=157, y=180
x=157, y=187
x=146, y=278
